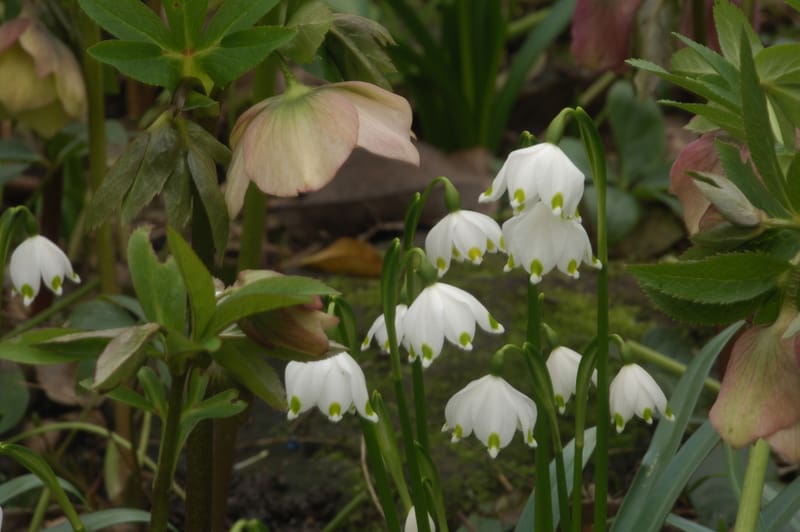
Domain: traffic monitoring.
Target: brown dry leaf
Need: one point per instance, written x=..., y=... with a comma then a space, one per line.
x=348, y=256
x=60, y=384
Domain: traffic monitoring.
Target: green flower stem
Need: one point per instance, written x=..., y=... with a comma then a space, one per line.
x=750, y=503
x=168, y=455
x=253, y=220
x=644, y=353
x=93, y=71
x=199, y=476
x=585, y=370
x=37, y=518
x=420, y=410
x=225, y=434
x=340, y=518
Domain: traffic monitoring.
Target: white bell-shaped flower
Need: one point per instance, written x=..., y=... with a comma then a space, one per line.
x=539, y=242
x=462, y=235
x=443, y=311
x=542, y=172
x=562, y=365
x=335, y=385
x=379, y=333
x=411, y=522
x=37, y=259
x=492, y=409
x=634, y=391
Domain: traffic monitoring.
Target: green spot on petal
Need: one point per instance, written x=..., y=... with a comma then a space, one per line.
x=458, y=432
x=536, y=268
x=464, y=339
x=493, y=323
x=427, y=352
x=647, y=415
x=510, y=262
x=489, y=245
x=668, y=413
x=456, y=253
x=519, y=196
x=294, y=405
x=474, y=254
x=441, y=264
x=56, y=283
x=27, y=291
x=335, y=411
x=502, y=242
x=572, y=267
x=368, y=409
x=557, y=203
x=494, y=441
x=529, y=439
x=619, y=422
x=488, y=191
x=560, y=403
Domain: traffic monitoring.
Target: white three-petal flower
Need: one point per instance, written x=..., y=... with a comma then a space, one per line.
x=443, y=311
x=335, y=385
x=37, y=259
x=634, y=391
x=494, y=410
x=562, y=365
x=462, y=235
x=378, y=330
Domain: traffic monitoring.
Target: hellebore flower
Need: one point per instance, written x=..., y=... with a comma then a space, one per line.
x=37, y=259
x=335, y=385
x=540, y=172
x=634, y=391
x=760, y=393
x=601, y=33
x=378, y=329
x=462, y=235
x=411, y=522
x=562, y=365
x=493, y=409
x=43, y=85
x=539, y=242
x=443, y=311
x=295, y=142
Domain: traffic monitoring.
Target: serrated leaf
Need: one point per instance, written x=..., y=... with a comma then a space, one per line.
x=118, y=181
x=130, y=20
x=241, y=51
x=723, y=118
x=198, y=281
x=177, y=195
x=312, y=19
x=159, y=286
x=232, y=16
x=356, y=45
x=186, y=19
x=123, y=356
x=207, y=143
x=742, y=175
x=141, y=61
x=160, y=156
x=716, y=61
x=204, y=176
x=730, y=22
x=250, y=370
x=719, y=279
x=700, y=86
x=699, y=313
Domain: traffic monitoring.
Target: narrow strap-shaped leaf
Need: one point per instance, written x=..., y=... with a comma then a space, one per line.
x=683, y=524
x=722, y=117
x=780, y=510
x=19, y=485
x=103, y=519
x=204, y=176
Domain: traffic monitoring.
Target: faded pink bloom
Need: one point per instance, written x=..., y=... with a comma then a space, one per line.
x=698, y=156
x=786, y=443
x=295, y=142
x=601, y=33
x=47, y=90
x=760, y=393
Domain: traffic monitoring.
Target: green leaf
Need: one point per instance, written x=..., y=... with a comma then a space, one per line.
x=163, y=149
x=234, y=15
x=716, y=61
x=159, y=286
x=741, y=174
x=14, y=396
x=222, y=405
x=108, y=198
x=730, y=23
x=153, y=389
x=720, y=279
x=186, y=19
x=123, y=356
x=130, y=20
x=264, y=295
x=757, y=128
x=241, y=51
x=24, y=483
x=125, y=395
x=780, y=510
x=27, y=354
x=356, y=45
x=702, y=86
x=141, y=61
x=198, y=281
x=793, y=182
x=99, y=314
x=701, y=313
x=204, y=176
x=103, y=519
x=177, y=195
x=312, y=19
x=253, y=372
x=205, y=142
x=723, y=118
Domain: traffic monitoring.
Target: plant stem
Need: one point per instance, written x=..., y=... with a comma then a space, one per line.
x=39, y=510
x=750, y=503
x=642, y=352
x=420, y=414
x=168, y=454
x=226, y=431
x=199, y=477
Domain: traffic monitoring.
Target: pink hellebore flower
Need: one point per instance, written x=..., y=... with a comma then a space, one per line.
x=698, y=156
x=42, y=81
x=760, y=391
x=295, y=142
x=601, y=33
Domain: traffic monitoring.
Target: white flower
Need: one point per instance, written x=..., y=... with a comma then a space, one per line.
x=37, y=259
x=541, y=172
x=493, y=409
x=335, y=385
x=633, y=391
x=562, y=364
x=443, y=311
x=539, y=242
x=462, y=235
x=378, y=329
x=411, y=522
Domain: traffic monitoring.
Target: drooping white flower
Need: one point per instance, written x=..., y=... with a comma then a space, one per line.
x=37, y=259
x=539, y=242
x=462, y=235
x=634, y=391
x=378, y=330
x=335, y=385
x=541, y=172
x=493, y=409
x=562, y=364
x=411, y=522
x=443, y=311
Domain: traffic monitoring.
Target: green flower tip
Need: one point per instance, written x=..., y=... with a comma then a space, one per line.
x=294, y=407
x=619, y=422
x=537, y=269
x=427, y=352
x=27, y=291
x=465, y=339
x=668, y=414
x=647, y=415
x=458, y=432
x=519, y=196
x=441, y=265
x=490, y=245
x=475, y=255
x=493, y=444
x=455, y=252
x=493, y=323
x=557, y=203
x=529, y=439
x=55, y=284
x=335, y=411
x=371, y=415
x=488, y=191
x=560, y=403
x=572, y=269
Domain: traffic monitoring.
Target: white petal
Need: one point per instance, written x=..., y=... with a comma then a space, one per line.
x=25, y=270
x=439, y=244
x=479, y=312
x=497, y=188
x=358, y=385
x=423, y=326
